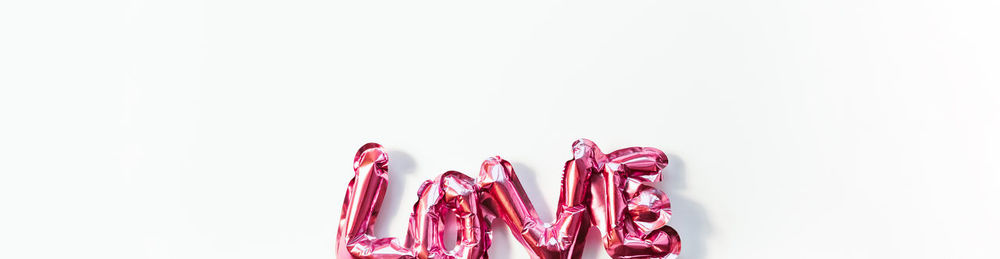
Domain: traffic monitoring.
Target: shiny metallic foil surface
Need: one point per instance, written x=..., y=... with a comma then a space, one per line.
x=608, y=191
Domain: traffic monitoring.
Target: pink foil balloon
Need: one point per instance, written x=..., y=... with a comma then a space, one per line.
x=608, y=191
x=451, y=192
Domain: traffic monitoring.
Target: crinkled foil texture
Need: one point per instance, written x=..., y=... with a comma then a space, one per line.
x=608, y=191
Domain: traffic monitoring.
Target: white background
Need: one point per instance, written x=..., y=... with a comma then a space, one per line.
x=226, y=129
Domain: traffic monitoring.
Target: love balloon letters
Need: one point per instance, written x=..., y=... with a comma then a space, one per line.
x=608, y=191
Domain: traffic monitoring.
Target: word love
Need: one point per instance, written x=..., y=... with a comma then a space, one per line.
x=609, y=191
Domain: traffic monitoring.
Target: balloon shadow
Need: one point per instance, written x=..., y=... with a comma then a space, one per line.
x=399, y=163
x=689, y=218
x=529, y=181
